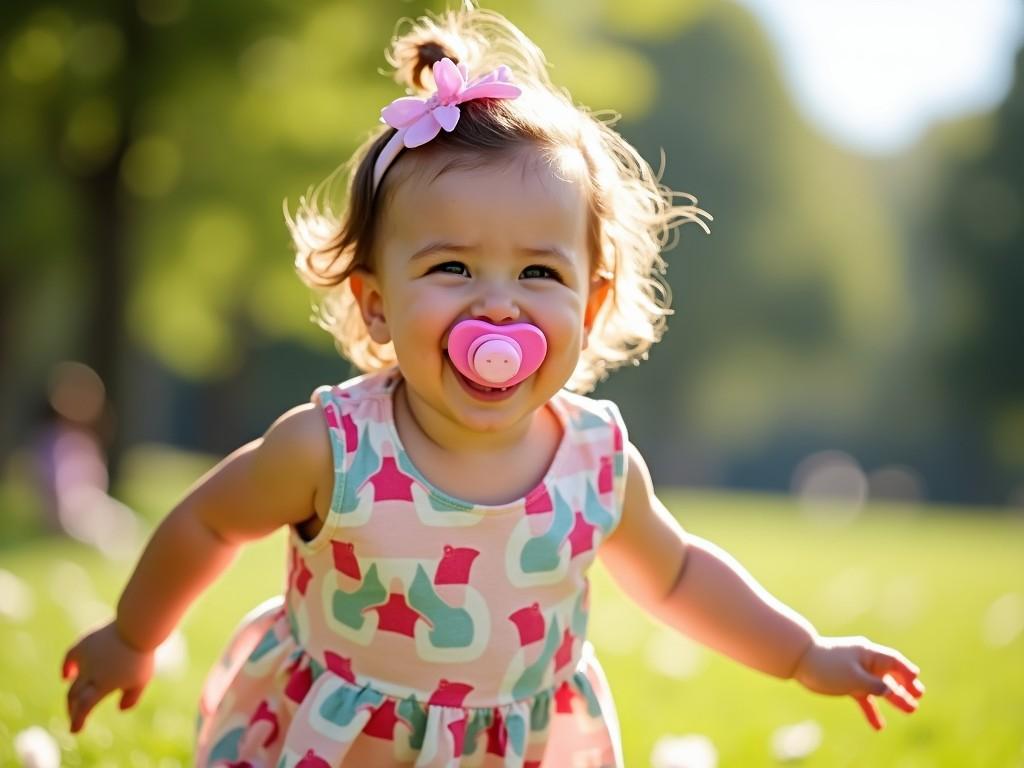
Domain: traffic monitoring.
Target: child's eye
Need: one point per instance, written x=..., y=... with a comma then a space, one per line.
x=451, y=268
x=539, y=270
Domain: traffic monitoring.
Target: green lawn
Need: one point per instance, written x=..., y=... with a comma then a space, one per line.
x=920, y=581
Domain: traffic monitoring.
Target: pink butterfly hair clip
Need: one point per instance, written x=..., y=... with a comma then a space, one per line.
x=419, y=120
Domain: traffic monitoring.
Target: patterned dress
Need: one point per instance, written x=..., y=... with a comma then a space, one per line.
x=418, y=629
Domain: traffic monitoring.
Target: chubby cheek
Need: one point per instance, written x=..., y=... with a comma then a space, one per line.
x=564, y=353
x=564, y=331
x=423, y=325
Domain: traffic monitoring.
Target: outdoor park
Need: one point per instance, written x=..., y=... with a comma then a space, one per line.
x=838, y=401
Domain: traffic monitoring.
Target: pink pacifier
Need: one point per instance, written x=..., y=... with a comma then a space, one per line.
x=496, y=355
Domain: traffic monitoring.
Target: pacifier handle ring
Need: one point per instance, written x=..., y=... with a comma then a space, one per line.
x=480, y=340
x=495, y=357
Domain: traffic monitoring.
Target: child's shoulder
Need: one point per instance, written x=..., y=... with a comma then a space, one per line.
x=586, y=411
x=367, y=385
x=298, y=437
x=301, y=445
x=303, y=435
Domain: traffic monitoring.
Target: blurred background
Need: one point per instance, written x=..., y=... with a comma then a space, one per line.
x=846, y=345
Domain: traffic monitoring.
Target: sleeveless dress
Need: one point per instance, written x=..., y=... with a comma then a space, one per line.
x=416, y=629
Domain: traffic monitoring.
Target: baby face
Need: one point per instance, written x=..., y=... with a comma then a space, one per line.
x=505, y=242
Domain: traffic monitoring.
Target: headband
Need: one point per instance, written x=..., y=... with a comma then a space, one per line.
x=419, y=120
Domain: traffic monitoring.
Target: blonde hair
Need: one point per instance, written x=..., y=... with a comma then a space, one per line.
x=631, y=214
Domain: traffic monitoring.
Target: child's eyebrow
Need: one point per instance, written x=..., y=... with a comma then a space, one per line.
x=549, y=250
x=445, y=245
x=438, y=245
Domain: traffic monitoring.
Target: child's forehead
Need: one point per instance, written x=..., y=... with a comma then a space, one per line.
x=432, y=171
x=437, y=190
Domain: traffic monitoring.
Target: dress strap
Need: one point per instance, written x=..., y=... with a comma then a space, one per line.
x=616, y=452
x=332, y=406
x=599, y=438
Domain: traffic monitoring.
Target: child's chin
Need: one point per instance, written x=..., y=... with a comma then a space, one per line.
x=487, y=394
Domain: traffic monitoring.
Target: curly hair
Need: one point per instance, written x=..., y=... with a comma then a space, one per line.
x=632, y=217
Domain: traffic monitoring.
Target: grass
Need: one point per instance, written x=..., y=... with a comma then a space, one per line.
x=920, y=580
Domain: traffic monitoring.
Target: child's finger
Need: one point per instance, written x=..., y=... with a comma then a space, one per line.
x=882, y=661
x=898, y=696
x=83, y=696
x=69, y=667
x=76, y=693
x=871, y=712
x=868, y=684
x=130, y=697
x=907, y=683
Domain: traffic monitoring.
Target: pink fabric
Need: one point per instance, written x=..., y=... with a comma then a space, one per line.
x=417, y=629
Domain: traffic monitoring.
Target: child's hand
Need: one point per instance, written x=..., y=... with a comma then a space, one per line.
x=100, y=663
x=854, y=666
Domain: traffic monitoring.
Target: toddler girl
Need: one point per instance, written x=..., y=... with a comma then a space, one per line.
x=498, y=255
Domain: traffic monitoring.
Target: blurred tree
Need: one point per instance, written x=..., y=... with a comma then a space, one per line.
x=80, y=82
x=58, y=144
x=150, y=144
x=977, y=259
x=785, y=315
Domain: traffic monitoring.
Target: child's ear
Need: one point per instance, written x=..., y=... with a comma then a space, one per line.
x=600, y=285
x=366, y=290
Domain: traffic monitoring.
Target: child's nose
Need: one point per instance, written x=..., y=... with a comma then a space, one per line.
x=495, y=307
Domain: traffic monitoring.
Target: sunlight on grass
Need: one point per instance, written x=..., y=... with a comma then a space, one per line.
x=944, y=588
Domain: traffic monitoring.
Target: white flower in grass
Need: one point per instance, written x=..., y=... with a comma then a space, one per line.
x=690, y=751
x=794, y=742
x=86, y=615
x=70, y=582
x=36, y=748
x=615, y=629
x=72, y=589
x=1004, y=620
x=901, y=601
x=17, y=600
x=847, y=595
x=172, y=656
x=672, y=655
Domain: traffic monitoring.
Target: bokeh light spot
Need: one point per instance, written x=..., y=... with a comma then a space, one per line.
x=673, y=655
x=896, y=482
x=90, y=135
x=151, y=166
x=1004, y=620
x=795, y=742
x=17, y=601
x=161, y=13
x=36, y=55
x=831, y=487
x=96, y=50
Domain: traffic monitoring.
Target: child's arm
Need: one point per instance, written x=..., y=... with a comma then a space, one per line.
x=282, y=478
x=699, y=589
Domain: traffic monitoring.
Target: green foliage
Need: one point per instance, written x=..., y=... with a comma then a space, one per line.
x=209, y=117
x=979, y=268
x=839, y=302
x=800, y=285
